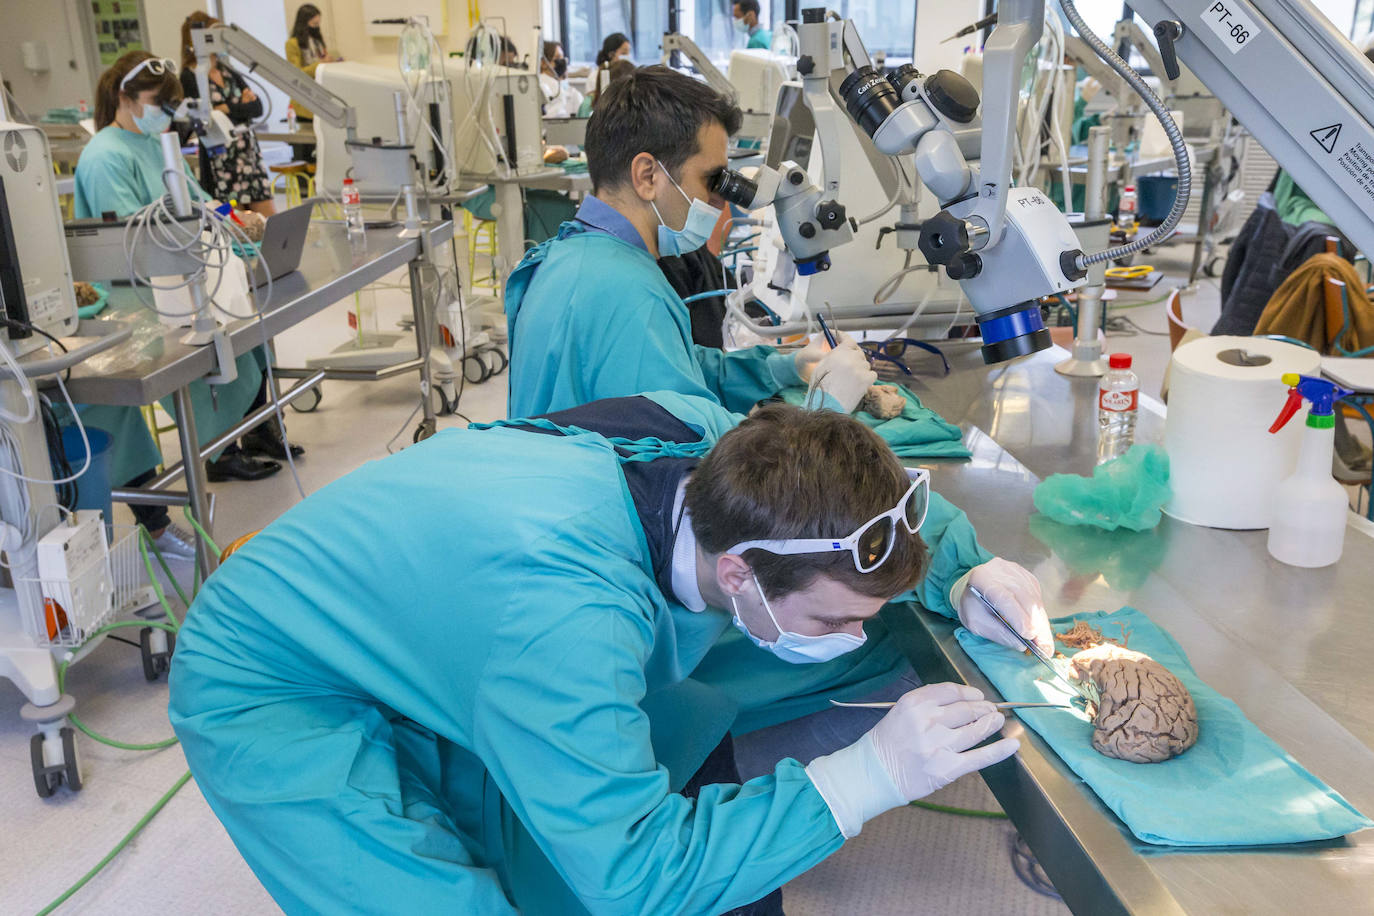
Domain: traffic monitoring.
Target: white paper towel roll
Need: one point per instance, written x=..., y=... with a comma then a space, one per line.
x=1224, y=393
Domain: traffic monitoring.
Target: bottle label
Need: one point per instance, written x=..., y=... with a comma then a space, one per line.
x=350, y=196
x=1118, y=400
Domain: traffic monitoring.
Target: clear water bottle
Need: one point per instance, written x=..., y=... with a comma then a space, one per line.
x=352, y=201
x=290, y=119
x=1129, y=205
x=1118, y=401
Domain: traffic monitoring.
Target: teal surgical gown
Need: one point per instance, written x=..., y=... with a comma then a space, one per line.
x=467, y=707
x=120, y=172
x=591, y=316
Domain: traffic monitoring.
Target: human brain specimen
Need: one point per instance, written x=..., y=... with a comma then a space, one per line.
x=1144, y=714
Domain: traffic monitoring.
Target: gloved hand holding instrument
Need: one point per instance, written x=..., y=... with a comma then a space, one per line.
x=841, y=371
x=924, y=743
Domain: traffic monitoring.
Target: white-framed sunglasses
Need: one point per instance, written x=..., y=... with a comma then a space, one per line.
x=871, y=544
x=154, y=65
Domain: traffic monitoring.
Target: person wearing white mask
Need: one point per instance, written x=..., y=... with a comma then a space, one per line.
x=590, y=313
x=746, y=22
x=560, y=99
x=554, y=741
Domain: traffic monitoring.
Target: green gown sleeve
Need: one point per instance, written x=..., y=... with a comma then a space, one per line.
x=742, y=378
x=558, y=725
x=954, y=550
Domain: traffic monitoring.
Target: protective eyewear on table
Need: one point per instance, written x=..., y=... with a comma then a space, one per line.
x=157, y=66
x=871, y=544
x=894, y=349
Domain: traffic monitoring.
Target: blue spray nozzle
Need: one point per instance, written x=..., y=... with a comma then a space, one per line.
x=1321, y=393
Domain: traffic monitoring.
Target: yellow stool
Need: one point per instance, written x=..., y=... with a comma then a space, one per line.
x=291, y=174
x=481, y=235
x=150, y=418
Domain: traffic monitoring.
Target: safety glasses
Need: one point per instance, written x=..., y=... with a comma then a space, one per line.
x=154, y=65
x=894, y=349
x=872, y=543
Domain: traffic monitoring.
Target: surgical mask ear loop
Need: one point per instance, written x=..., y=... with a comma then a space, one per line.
x=661, y=221
x=767, y=608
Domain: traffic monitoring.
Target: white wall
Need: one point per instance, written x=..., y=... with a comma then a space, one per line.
x=68, y=78
x=345, y=33
x=937, y=21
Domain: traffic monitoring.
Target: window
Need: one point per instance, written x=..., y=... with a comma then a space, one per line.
x=586, y=23
x=883, y=25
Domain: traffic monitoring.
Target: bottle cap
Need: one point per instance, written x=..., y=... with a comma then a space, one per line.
x=350, y=181
x=1119, y=361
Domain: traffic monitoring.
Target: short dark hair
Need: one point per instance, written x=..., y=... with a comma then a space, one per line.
x=654, y=110
x=748, y=6
x=792, y=473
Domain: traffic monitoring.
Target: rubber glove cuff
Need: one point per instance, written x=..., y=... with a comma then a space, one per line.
x=855, y=785
x=783, y=367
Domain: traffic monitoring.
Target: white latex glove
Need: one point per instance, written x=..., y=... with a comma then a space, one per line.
x=1015, y=592
x=922, y=744
x=809, y=357
x=845, y=375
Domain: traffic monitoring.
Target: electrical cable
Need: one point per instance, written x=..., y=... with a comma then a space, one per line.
x=961, y=812
x=145, y=542
x=1180, y=149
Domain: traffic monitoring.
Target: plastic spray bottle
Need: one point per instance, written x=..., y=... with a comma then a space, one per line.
x=1310, y=506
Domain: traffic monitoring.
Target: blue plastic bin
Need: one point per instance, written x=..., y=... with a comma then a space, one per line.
x=92, y=487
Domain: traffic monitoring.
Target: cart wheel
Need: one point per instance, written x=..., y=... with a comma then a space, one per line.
x=73, y=771
x=44, y=780
x=423, y=431
x=155, y=663
x=1211, y=268
x=307, y=403
x=502, y=361
x=442, y=407
x=475, y=371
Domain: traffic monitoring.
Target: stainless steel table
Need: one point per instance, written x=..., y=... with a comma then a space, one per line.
x=1292, y=647
x=154, y=363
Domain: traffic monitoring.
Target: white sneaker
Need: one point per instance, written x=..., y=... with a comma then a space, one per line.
x=176, y=544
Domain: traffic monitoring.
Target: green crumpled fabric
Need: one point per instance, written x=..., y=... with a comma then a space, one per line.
x=1127, y=492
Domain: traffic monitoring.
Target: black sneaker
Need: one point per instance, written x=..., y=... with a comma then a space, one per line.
x=239, y=466
x=266, y=440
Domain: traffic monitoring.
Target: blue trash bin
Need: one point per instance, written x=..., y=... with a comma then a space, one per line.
x=1156, y=197
x=92, y=487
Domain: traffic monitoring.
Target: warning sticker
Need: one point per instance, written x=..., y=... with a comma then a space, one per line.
x=1359, y=165
x=45, y=306
x=1327, y=136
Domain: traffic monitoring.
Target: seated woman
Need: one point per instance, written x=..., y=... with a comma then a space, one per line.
x=238, y=174
x=119, y=173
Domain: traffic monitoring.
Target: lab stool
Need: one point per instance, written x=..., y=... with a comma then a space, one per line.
x=481, y=235
x=295, y=174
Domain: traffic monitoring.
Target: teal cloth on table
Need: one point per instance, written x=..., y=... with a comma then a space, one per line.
x=918, y=432
x=1126, y=492
x=1235, y=787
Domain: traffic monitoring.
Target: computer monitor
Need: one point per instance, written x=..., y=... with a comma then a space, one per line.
x=371, y=91
x=496, y=120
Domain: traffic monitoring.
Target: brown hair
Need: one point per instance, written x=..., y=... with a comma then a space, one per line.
x=107, y=91
x=197, y=20
x=620, y=68
x=792, y=473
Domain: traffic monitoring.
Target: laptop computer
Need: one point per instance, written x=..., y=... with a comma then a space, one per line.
x=283, y=241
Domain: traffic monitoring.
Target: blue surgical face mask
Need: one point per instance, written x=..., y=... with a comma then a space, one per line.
x=741, y=26
x=153, y=121
x=794, y=647
x=701, y=222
